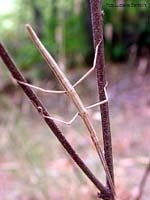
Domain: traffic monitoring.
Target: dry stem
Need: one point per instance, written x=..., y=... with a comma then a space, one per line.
x=97, y=26
x=143, y=182
x=71, y=92
x=37, y=104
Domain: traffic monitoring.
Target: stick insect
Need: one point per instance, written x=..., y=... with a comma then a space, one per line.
x=70, y=91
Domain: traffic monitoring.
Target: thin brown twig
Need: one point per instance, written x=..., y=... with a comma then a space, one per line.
x=143, y=182
x=105, y=192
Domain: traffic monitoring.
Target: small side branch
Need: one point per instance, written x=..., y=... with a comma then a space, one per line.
x=143, y=182
x=105, y=192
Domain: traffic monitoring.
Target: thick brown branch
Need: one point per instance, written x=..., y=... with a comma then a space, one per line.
x=38, y=105
x=97, y=26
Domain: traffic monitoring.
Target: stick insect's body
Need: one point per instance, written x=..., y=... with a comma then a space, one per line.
x=71, y=92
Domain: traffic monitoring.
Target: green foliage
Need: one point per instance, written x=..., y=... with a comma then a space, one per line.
x=128, y=24
x=119, y=52
x=47, y=16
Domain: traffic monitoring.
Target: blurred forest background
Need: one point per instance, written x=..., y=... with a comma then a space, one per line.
x=33, y=166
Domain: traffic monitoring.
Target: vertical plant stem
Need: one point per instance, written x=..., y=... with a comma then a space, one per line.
x=143, y=182
x=97, y=26
x=38, y=105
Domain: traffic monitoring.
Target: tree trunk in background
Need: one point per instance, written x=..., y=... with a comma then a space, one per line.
x=58, y=26
x=38, y=19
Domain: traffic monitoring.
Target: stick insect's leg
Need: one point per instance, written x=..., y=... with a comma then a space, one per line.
x=97, y=104
x=41, y=89
x=101, y=102
x=79, y=81
x=59, y=120
x=91, y=70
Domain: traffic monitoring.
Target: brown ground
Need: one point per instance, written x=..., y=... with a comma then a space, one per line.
x=33, y=166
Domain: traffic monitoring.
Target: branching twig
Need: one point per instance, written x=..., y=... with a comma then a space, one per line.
x=71, y=92
x=105, y=193
x=143, y=182
x=97, y=25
